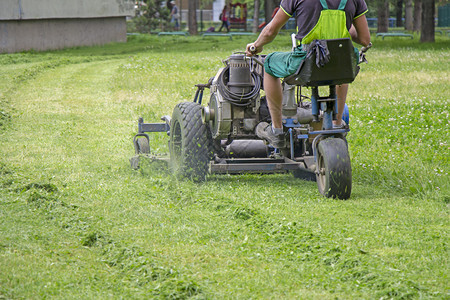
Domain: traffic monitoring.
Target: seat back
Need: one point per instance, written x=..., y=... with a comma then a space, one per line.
x=341, y=68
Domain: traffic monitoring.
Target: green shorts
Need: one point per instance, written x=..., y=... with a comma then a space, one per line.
x=283, y=64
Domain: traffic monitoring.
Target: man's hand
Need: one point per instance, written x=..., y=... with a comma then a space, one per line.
x=252, y=49
x=268, y=33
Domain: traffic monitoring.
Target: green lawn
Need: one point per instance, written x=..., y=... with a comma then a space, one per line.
x=77, y=222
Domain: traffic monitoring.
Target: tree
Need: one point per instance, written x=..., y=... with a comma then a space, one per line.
x=192, y=17
x=417, y=15
x=256, y=16
x=399, y=13
x=151, y=15
x=269, y=7
x=383, y=16
x=193, y=6
x=428, y=14
x=409, y=17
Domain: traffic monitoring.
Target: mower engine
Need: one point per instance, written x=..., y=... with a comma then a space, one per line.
x=235, y=106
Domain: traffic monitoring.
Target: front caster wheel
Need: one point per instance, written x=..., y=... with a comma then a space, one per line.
x=143, y=146
x=334, y=171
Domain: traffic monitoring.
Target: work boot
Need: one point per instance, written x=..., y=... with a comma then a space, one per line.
x=343, y=125
x=340, y=126
x=264, y=131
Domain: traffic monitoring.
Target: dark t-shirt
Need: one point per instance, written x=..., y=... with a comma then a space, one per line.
x=174, y=10
x=307, y=12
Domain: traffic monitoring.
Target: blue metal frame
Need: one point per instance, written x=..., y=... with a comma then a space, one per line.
x=291, y=123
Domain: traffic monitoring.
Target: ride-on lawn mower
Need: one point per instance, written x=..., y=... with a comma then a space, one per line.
x=220, y=138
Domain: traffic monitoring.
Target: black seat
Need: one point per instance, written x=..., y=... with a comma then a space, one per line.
x=341, y=68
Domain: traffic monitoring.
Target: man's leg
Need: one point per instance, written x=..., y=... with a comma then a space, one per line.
x=341, y=91
x=274, y=96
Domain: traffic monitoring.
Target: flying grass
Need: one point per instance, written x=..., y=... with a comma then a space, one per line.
x=77, y=222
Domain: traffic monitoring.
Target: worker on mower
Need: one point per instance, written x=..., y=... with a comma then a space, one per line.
x=316, y=19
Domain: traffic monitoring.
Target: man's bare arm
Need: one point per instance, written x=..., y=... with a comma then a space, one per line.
x=269, y=32
x=360, y=31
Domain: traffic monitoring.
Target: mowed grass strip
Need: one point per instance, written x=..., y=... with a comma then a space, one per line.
x=77, y=222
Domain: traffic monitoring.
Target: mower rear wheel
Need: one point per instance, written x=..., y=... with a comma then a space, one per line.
x=190, y=143
x=334, y=172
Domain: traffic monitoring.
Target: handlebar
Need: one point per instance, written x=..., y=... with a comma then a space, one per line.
x=255, y=59
x=252, y=49
x=364, y=49
x=362, y=53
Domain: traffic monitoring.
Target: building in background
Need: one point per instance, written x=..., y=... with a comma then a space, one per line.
x=56, y=24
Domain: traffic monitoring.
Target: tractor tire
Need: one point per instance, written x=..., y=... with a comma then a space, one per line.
x=143, y=146
x=190, y=144
x=334, y=172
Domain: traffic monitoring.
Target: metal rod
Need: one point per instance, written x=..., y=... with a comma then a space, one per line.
x=291, y=139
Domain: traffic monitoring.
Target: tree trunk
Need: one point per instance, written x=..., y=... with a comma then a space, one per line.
x=383, y=16
x=409, y=21
x=269, y=6
x=427, y=29
x=192, y=17
x=256, y=16
x=399, y=13
x=417, y=15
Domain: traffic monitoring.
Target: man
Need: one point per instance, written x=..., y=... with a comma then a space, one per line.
x=316, y=19
x=175, y=15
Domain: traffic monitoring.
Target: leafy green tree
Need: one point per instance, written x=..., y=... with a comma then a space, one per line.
x=152, y=15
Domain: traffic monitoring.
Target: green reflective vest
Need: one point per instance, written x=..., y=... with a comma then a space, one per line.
x=332, y=24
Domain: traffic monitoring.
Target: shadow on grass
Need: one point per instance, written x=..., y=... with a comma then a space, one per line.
x=361, y=190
